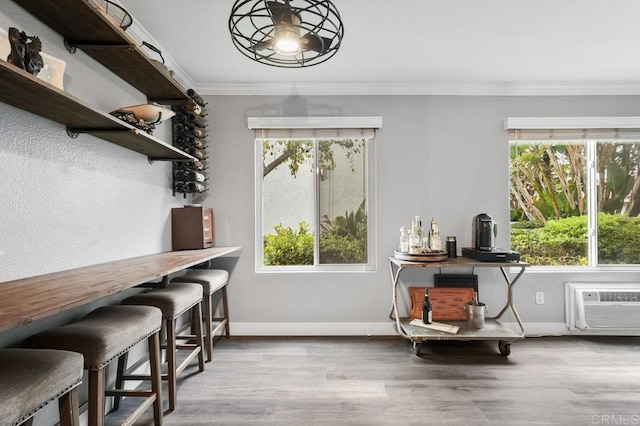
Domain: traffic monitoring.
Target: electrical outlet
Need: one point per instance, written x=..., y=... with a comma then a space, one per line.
x=539, y=298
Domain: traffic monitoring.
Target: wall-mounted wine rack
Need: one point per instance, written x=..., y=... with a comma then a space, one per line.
x=189, y=135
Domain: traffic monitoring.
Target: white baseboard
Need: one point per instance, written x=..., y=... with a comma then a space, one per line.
x=539, y=329
x=533, y=329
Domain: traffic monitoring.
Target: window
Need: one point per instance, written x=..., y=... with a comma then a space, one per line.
x=314, y=198
x=575, y=196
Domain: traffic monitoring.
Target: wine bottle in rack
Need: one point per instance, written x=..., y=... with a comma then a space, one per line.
x=181, y=117
x=196, y=153
x=189, y=135
x=194, y=187
x=194, y=176
x=181, y=128
x=181, y=175
x=187, y=117
x=194, y=108
x=197, y=121
x=197, y=98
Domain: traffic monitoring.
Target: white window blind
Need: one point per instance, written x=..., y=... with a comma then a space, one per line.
x=314, y=127
x=573, y=128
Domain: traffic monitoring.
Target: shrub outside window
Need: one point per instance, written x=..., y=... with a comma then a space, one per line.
x=575, y=201
x=313, y=201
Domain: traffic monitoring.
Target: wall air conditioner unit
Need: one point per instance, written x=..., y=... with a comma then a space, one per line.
x=603, y=308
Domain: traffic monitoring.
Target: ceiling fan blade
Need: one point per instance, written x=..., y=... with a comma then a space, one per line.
x=315, y=42
x=267, y=44
x=280, y=13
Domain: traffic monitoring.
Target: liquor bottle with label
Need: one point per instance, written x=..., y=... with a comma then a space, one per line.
x=419, y=229
x=404, y=240
x=426, y=308
x=415, y=242
x=435, y=242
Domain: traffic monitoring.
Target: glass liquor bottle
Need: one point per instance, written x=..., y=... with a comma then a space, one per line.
x=415, y=242
x=427, y=315
x=404, y=240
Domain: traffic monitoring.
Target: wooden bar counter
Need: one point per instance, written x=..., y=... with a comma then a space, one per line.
x=26, y=300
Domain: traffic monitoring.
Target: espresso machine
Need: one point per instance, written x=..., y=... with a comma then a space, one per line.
x=484, y=231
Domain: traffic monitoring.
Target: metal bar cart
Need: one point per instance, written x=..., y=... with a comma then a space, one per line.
x=493, y=329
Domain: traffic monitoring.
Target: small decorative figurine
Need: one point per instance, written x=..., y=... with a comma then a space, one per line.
x=33, y=62
x=25, y=51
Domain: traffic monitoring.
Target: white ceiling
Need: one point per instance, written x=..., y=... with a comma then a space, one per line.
x=503, y=47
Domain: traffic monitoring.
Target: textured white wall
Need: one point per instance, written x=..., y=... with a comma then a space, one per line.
x=66, y=202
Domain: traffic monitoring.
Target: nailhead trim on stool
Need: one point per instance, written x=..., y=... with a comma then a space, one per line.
x=31, y=378
x=102, y=336
x=212, y=281
x=174, y=300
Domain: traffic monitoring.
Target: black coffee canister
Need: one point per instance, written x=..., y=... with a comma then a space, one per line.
x=452, y=247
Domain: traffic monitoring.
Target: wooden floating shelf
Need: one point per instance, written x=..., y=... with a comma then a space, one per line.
x=92, y=32
x=25, y=91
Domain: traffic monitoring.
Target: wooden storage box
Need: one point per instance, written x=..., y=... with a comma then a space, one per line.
x=192, y=228
x=447, y=304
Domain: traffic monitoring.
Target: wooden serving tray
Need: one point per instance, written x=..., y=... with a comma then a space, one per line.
x=447, y=304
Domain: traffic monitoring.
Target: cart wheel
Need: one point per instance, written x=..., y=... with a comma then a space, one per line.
x=504, y=347
x=417, y=348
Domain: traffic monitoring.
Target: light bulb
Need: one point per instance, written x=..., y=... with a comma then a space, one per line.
x=287, y=40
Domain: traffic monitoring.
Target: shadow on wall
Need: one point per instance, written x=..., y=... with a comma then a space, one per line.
x=294, y=106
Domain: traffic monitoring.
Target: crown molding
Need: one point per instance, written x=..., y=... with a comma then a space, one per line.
x=412, y=89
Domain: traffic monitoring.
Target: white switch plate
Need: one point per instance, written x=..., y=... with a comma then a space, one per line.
x=539, y=298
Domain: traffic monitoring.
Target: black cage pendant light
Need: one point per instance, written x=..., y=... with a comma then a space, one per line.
x=286, y=33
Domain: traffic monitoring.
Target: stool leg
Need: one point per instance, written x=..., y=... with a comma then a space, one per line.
x=208, y=323
x=68, y=407
x=122, y=370
x=197, y=318
x=171, y=361
x=156, y=378
x=96, y=397
x=225, y=307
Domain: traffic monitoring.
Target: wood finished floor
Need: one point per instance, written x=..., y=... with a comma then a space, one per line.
x=379, y=381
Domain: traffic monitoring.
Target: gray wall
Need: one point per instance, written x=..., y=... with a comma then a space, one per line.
x=437, y=156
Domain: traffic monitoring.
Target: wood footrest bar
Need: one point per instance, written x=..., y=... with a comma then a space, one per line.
x=187, y=361
x=130, y=392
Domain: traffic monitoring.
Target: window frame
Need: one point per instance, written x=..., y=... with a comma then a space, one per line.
x=317, y=128
x=595, y=125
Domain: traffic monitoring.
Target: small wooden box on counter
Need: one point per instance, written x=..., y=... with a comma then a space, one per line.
x=191, y=228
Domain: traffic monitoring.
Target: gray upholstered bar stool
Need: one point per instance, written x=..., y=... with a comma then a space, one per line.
x=31, y=378
x=174, y=300
x=102, y=336
x=212, y=281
